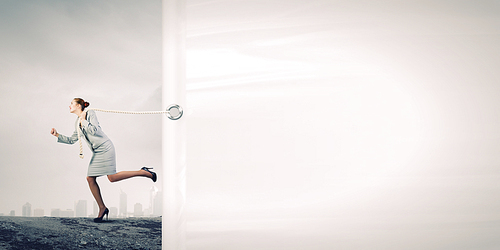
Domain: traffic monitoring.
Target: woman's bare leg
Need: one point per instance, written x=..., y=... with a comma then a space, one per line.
x=122, y=175
x=96, y=192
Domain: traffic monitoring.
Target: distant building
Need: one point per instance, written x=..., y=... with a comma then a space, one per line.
x=12, y=213
x=67, y=213
x=55, y=212
x=81, y=208
x=27, y=209
x=123, y=204
x=113, y=212
x=96, y=210
x=152, y=194
x=138, y=210
x=157, y=205
x=147, y=212
x=38, y=212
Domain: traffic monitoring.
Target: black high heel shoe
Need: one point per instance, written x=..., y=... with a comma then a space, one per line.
x=99, y=219
x=153, y=177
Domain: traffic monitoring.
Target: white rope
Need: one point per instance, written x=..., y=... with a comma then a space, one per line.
x=132, y=112
x=118, y=112
x=80, y=142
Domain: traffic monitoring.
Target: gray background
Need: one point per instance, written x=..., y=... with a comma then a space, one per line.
x=310, y=124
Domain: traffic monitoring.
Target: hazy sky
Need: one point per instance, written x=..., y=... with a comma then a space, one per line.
x=52, y=51
x=380, y=110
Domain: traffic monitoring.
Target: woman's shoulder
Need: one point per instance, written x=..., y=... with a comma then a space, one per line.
x=91, y=113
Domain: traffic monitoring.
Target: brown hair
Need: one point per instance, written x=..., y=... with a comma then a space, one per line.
x=82, y=103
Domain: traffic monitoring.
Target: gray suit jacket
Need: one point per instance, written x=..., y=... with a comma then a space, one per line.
x=90, y=130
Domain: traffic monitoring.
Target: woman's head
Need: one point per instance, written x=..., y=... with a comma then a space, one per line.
x=78, y=104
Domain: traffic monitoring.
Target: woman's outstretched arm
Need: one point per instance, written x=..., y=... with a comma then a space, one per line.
x=63, y=138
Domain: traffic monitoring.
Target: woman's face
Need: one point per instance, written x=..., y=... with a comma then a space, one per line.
x=74, y=106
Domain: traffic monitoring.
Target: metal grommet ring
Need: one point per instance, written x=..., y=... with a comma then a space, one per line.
x=174, y=112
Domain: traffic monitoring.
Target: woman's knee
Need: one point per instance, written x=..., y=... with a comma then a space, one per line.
x=90, y=179
x=111, y=178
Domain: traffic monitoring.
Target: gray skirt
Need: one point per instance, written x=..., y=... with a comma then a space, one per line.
x=103, y=160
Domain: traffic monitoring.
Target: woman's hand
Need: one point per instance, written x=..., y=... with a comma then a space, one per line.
x=53, y=131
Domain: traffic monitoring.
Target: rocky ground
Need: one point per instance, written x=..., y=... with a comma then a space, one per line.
x=79, y=233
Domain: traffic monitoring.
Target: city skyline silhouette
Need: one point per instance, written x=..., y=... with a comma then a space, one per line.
x=81, y=208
